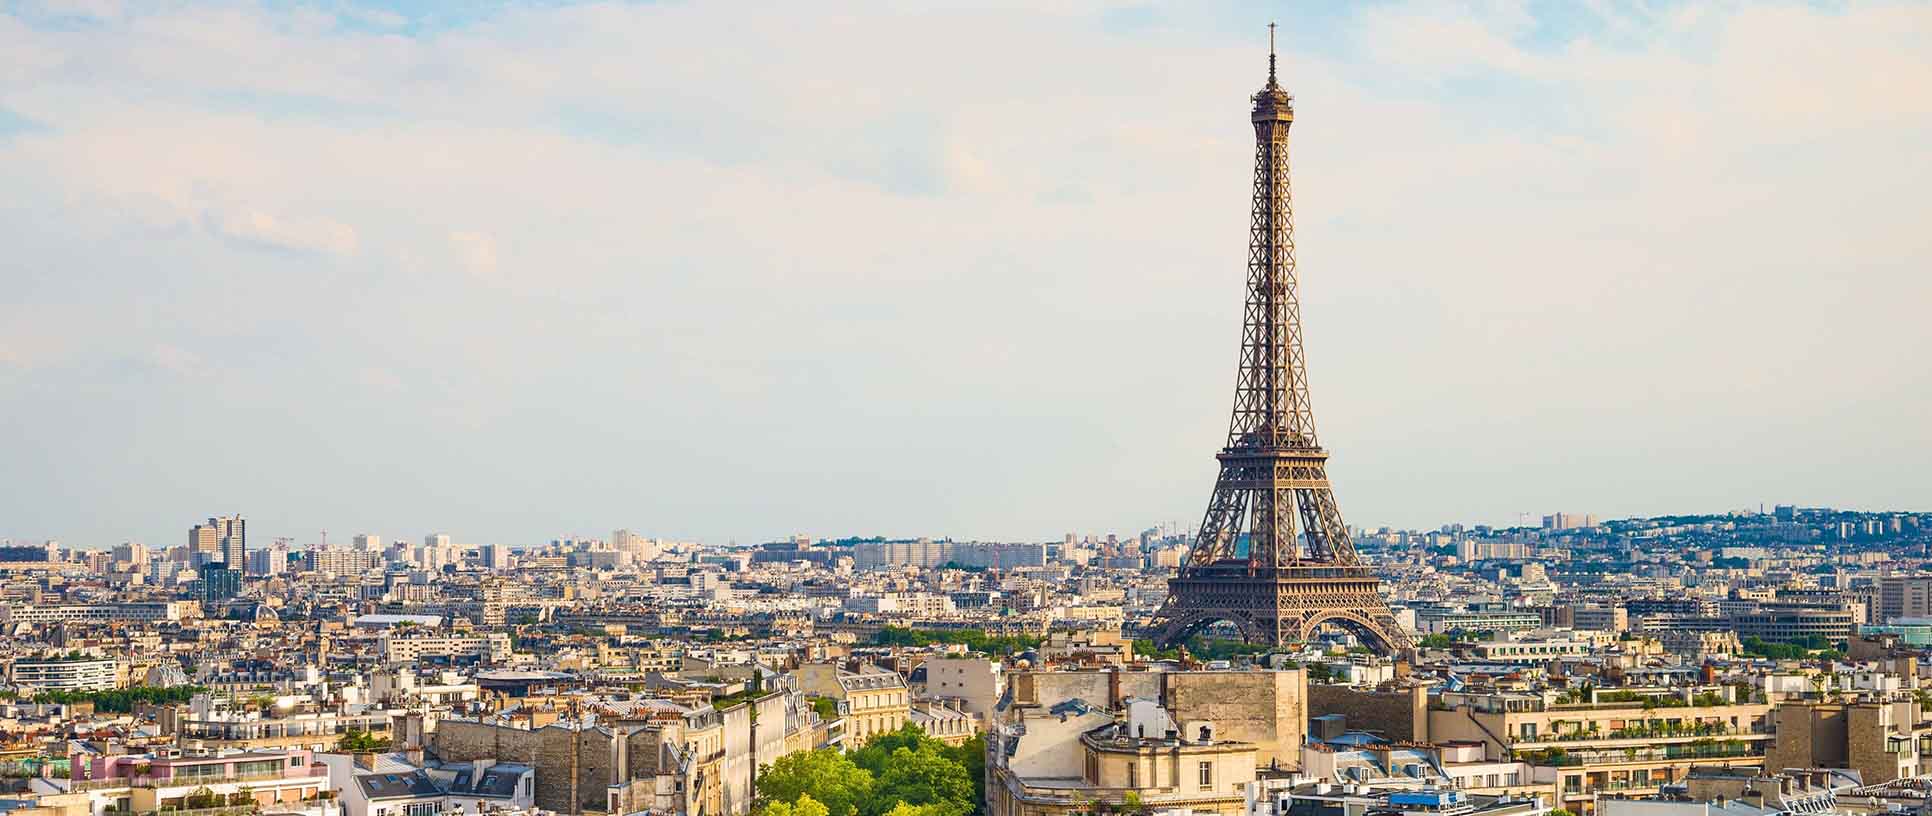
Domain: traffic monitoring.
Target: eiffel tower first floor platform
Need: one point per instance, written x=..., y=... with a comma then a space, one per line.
x=1278, y=607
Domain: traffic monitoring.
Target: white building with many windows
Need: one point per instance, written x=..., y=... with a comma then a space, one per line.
x=64, y=674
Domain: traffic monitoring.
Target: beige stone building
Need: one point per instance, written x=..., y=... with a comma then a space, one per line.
x=944, y=721
x=975, y=682
x=630, y=756
x=1266, y=708
x=1883, y=741
x=1074, y=742
x=1071, y=758
x=871, y=701
x=1631, y=743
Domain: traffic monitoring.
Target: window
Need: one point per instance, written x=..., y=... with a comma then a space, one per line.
x=203, y=771
x=1207, y=775
x=1133, y=773
x=1529, y=731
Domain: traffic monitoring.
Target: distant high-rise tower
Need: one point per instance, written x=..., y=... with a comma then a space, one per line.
x=219, y=582
x=1250, y=566
x=220, y=540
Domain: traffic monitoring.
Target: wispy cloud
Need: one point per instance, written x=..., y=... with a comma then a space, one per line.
x=255, y=228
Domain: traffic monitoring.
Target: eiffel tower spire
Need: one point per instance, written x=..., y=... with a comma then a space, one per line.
x=1273, y=556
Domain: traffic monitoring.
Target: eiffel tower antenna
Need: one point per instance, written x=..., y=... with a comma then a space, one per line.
x=1251, y=566
x=1271, y=55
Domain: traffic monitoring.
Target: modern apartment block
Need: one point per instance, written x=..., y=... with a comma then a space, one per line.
x=1904, y=596
x=64, y=674
x=1632, y=742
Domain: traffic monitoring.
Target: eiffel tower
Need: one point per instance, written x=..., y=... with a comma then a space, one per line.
x=1248, y=567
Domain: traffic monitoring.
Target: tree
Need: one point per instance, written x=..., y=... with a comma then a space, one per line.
x=971, y=755
x=923, y=777
x=878, y=756
x=825, y=774
x=805, y=806
x=355, y=742
x=201, y=797
x=878, y=751
x=905, y=809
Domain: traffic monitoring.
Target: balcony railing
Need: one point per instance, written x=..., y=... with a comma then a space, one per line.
x=1669, y=753
x=1642, y=732
x=232, y=810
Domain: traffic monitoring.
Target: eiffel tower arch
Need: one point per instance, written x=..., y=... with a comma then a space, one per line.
x=1273, y=556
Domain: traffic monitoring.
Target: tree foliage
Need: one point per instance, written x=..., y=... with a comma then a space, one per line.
x=900, y=773
x=907, y=809
x=122, y=701
x=825, y=775
x=973, y=639
x=1800, y=649
x=805, y=806
x=926, y=776
x=354, y=741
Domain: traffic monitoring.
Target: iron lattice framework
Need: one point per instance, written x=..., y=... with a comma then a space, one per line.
x=1275, y=586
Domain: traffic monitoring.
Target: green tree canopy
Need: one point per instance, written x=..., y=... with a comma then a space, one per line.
x=904, y=809
x=876, y=753
x=973, y=639
x=121, y=701
x=805, y=806
x=825, y=775
x=354, y=741
x=923, y=777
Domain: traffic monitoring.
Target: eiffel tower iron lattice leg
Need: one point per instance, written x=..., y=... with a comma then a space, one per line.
x=1273, y=556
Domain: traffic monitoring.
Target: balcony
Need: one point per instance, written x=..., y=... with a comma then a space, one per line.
x=148, y=781
x=234, y=810
x=1649, y=732
x=1667, y=753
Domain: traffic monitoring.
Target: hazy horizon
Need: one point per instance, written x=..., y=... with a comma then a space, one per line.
x=713, y=273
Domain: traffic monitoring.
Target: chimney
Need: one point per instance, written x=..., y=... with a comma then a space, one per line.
x=365, y=760
x=414, y=754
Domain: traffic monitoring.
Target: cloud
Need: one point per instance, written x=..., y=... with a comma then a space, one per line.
x=476, y=251
x=303, y=235
x=178, y=361
x=98, y=11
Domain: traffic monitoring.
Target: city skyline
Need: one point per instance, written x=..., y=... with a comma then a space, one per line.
x=977, y=296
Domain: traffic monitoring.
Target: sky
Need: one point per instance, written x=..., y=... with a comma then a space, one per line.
x=733, y=271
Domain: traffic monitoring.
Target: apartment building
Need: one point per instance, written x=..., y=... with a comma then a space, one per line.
x=1904, y=596
x=216, y=724
x=155, y=612
x=290, y=781
x=1063, y=759
x=1881, y=740
x=31, y=675
x=871, y=701
x=976, y=682
x=491, y=647
x=1624, y=742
